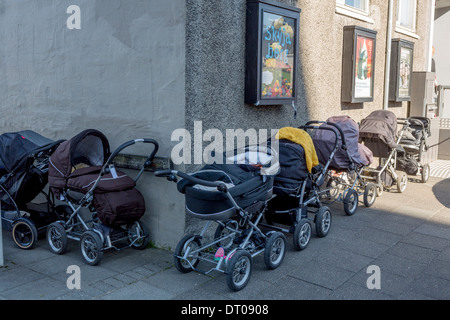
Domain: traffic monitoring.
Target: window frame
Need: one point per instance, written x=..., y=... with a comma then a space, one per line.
x=354, y=12
x=407, y=30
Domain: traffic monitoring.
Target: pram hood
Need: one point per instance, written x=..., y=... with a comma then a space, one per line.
x=89, y=148
x=14, y=146
x=356, y=153
x=302, y=138
x=248, y=173
x=380, y=124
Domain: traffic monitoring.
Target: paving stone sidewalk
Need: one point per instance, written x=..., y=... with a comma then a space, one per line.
x=406, y=235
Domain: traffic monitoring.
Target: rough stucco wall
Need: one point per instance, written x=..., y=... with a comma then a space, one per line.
x=215, y=65
x=215, y=75
x=321, y=35
x=215, y=71
x=123, y=73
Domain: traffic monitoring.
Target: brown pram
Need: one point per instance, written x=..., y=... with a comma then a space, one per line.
x=344, y=183
x=82, y=174
x=378, y=132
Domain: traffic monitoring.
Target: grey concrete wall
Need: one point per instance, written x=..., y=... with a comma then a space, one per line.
x=444, y=146
x=441, y=43
x=123, y=73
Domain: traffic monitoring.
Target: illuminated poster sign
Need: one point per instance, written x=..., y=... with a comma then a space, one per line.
x=401, y=70
x=358, y=64
x=271, y=53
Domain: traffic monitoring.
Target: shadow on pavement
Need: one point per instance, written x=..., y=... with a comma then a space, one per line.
x=441, y=192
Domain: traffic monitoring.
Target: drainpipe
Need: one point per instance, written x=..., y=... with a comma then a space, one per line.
x=431, y=34
x=388, y=55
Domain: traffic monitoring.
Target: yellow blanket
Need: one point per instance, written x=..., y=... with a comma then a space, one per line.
x=302, y=138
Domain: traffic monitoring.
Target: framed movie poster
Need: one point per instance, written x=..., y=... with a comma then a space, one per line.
x=271, y=53
x=402, y=52
x=358, y=64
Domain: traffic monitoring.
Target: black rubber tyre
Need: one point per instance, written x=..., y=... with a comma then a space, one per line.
x=380, y=190
x=302, y=234
x=402, y=182
x=332, y=188
x=351, y=202
x=239, y=270
x=323, y=221
x=370, y=194
x=91, y=247
x=57, y=238
x=24, y=233
x=138, y=235
x=425, y=173
x=275, y=250
x=181, y=264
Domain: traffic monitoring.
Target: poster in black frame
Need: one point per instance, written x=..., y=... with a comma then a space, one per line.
x=358, y=64
x=402, y=52
x=271, y=53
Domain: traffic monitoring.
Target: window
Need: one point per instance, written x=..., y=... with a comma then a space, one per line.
x=358, y=4
x=358, y=9
x=406, y=14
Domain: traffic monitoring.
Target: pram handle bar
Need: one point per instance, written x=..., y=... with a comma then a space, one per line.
x=338, y=127
x=109, y=162
x=215, y=184
x=130, y=143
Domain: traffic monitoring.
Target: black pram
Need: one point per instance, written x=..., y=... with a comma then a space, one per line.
x=24, y=157
x=378, y=132
x=234, y=195
x=413, y=144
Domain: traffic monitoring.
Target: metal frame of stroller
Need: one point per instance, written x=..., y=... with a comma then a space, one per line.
x=26, y=225
x=347, y=185
x=237, y=223
x=307, y=202
x=415, y=152
x=89, y=233
x=387, y=166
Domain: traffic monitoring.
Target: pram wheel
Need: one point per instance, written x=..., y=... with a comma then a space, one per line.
x=370, y=194
x=91, y=247
x=24, y=233
x=351, y=202
x=138, y=235
x=274, y=250
x=222, y=231
x=57, y=238
x=401, y=182
x=332, y=188
x=239, y=270
x=380, y=190
x=302, y=234
x=425, y=173
x=189, y=262
x=323, y=221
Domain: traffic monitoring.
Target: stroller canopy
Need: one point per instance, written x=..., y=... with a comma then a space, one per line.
x=15, y=146
x=381, y=124
x=356, y=153
x=86, y=149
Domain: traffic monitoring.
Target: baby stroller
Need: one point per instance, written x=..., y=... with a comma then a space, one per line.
x=414, y=144
x=234, y=196
x=344, y=183
x=379, y=133
x=82, y=174
x=23, y=176
x=297, y=186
